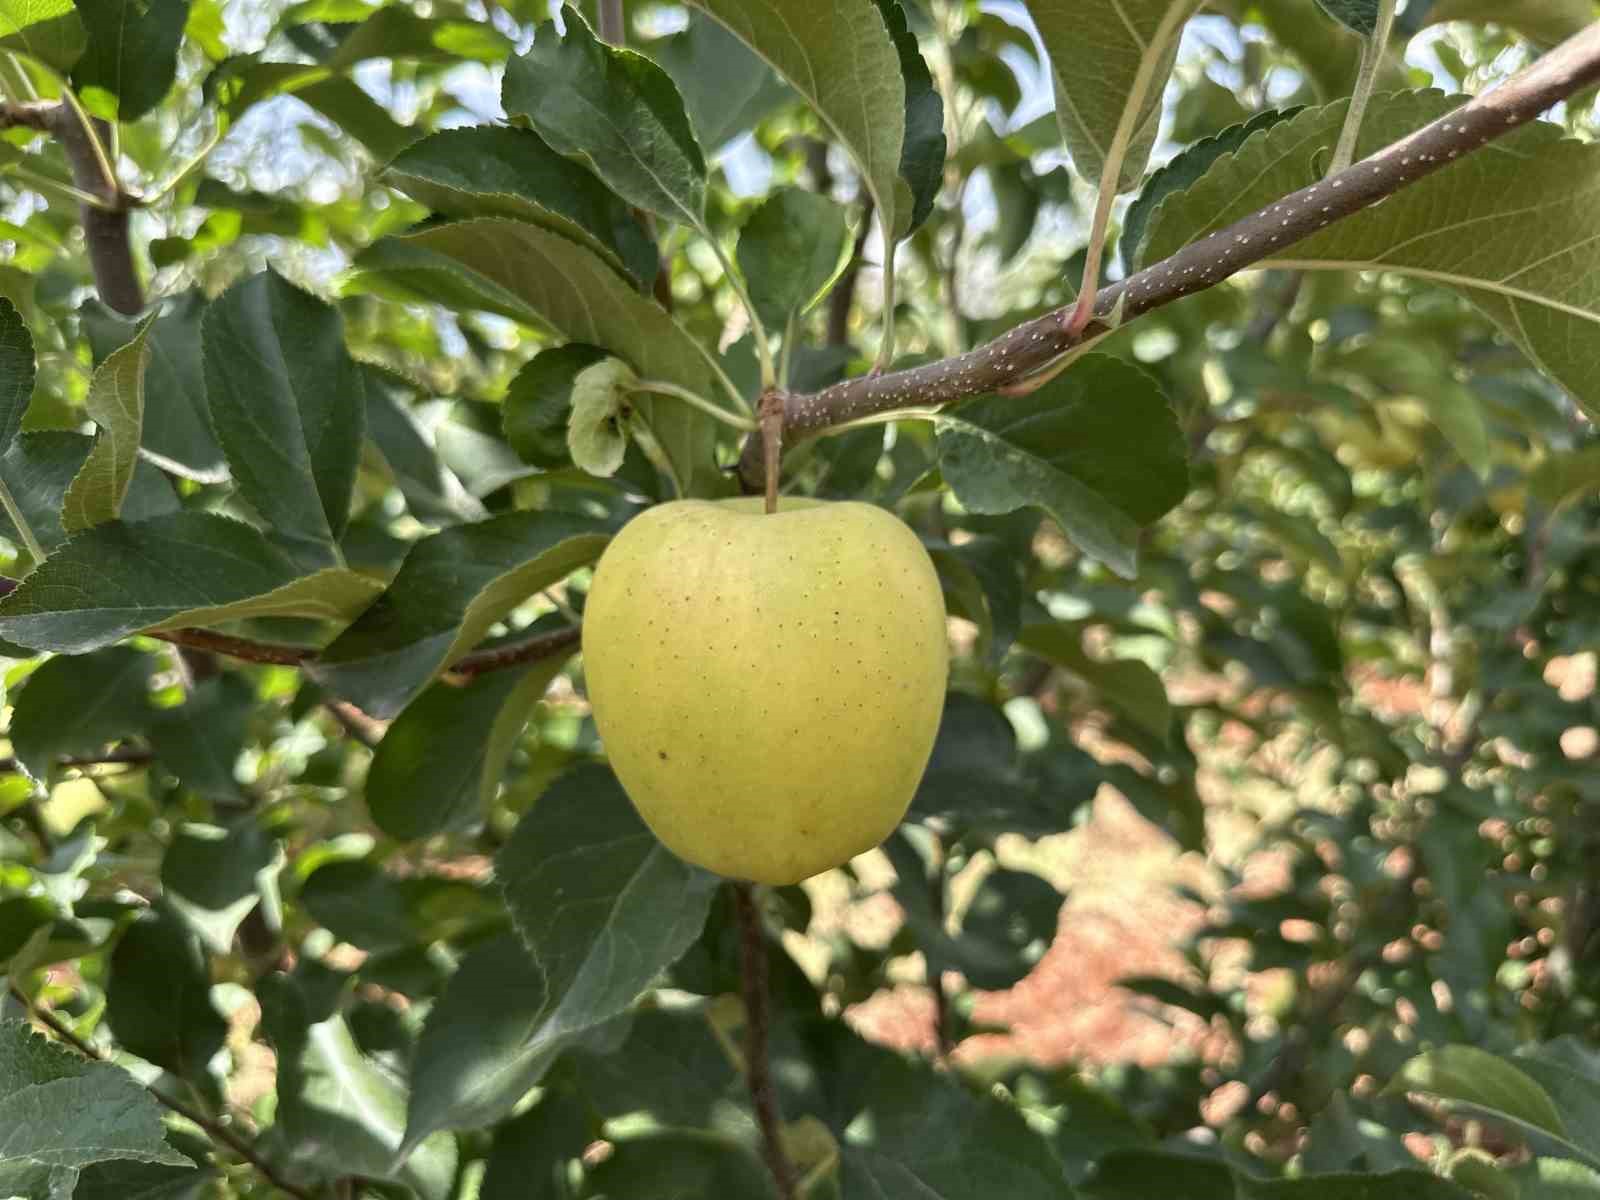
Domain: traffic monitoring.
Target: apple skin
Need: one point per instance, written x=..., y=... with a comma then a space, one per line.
x=768, y=686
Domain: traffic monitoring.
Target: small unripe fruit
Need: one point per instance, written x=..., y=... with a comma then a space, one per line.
x=768, y=687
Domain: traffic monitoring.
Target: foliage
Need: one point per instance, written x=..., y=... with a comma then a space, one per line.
x=311, y=865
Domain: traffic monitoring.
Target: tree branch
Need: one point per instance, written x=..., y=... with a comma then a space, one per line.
x=214, y=1129
x=1035, y=345
x=105, y=220
x=757, y=1068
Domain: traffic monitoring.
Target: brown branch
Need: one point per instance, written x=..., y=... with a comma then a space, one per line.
x=105, y=223
x=613, y=23
x=217, y=1131
x=122, y=755
x=757, y=1016
x=1035, y=345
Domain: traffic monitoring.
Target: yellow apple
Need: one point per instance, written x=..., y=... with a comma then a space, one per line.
x=767, y=686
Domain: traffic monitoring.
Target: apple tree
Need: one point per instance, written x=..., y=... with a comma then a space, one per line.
x=1229, y=373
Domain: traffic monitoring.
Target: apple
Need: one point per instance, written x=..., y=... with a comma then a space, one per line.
x=767, y=686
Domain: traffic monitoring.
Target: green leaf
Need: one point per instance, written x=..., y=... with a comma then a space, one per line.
x=439, y=765
x=38, y=469
x=1183, y=170
x=451, y=588
x=132, y=55
x=62, y=1112
x=1487, y=1082
x=48, y=30
x=16, y=370
x=907, y=1131
x=158, y=996
x=597, y=429
x=1361, y=16
x=1139, y=1174
x=725, y=88
x=539, y=401
x=177, y=431
x=1098, y=449
x=1126, y=684
x=538, y=277
x=340, y=1111
x=479, y=1054
x=1543, y=21
x=212, y=877
x=116, y=404
x=243, y=81
x=141, y=1181
x=361, y=903
x=613, y=110
x=530, y=1154
x=470, y=446
x=1526, y=264
x=492, y=171
x=79, y=706
x=674, y=1065
x=695, y=1164
x=1110, y=60
x=1569, y=1071
x=602, y=907
x=398, y=33
x=791, y=251
x=923, y=152
x=288, y=406
x=839, y=56
x=172, y=572
x=432, y=491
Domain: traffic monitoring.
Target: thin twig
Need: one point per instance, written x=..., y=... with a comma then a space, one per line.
x=757, y=1068
x=122, y=755
x=772, y=445
x=1035, y=345
x=364, y=729
x=613, y=23
x=217, y=1131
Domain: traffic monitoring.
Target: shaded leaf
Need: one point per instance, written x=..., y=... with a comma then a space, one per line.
x=190, y=568
x=79, y=706
x=1512, y=226
x=601, y=906
x=535, y=276
x=1098, y=448
x=16, y=366
x=288, y=405
x=132, y=53
x=923, y=151
x=791, y=251
x=339, y=1111
x=431, y=490
x=213, y=877
x=614, y=110
x=439, y=764
x=1126, y=684
x=1487, y=1082
x=450, y=590
x=176, y=430
x=1179, y=172
x=1137, y=1174
x=1108, y=57
x=40, y=467
x=158, y=996
x=116, y=404
x=725, y=88
x=530, y=1154
x=839, y=56
x=539, y=401
x=491, y=171
x=1358, y=15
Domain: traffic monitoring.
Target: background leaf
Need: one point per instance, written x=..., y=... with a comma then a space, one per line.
x=1101, y=470
x=839, y=56
x=1524, y=198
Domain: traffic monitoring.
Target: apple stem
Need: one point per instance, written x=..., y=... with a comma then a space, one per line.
x=757, y=1018
x=772, y=442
